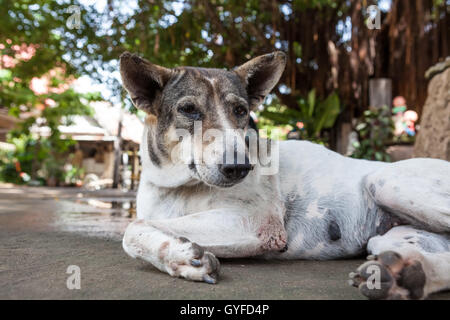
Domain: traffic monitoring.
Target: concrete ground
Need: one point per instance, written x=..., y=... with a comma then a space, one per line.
x=43, y=231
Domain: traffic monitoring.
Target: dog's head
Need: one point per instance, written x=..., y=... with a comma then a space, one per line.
x=208, y=108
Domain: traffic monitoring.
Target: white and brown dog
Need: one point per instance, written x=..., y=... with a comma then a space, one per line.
x=317, y=204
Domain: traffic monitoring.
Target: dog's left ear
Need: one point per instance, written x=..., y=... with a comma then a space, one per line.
x=261, y=74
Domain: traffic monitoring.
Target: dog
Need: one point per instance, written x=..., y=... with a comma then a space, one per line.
x=315, y=204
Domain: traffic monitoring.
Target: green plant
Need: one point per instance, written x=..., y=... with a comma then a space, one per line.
x=73, y=174
x=36, y=86
x=375, y=131
x=310, y=118
x=8, y=172
x=53, y=169
x=41, y=158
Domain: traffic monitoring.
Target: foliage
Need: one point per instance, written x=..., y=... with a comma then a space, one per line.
x=39, y=159
x=326, y=41
x=270, y=129
x=35, y=84
x=35, y=157
x=375, y=131
x=219, y=33
x=8, y=170
x=73, y=174
x=404, y=139
x=310, y=118
x=47, y=152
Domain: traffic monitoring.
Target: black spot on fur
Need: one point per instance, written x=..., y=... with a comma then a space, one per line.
x=385, y=224
x=334, y=231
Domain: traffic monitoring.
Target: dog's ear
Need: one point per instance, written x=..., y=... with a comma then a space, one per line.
x=261, y=74
x=143, y=80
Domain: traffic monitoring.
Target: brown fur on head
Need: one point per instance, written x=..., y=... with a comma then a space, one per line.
x=177, y=98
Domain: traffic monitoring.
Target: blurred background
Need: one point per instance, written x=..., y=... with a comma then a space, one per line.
x=368, y=79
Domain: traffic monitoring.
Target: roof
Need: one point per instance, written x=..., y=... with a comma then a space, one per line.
x=108, y=116
x=102, y=126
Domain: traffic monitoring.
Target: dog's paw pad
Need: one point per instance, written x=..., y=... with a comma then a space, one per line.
x=389, y=276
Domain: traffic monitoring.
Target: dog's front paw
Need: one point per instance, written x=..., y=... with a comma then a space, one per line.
x=188, y=260
x=389, y=276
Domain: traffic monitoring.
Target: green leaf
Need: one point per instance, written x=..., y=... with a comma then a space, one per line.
x=278, y=118
x=297, y=49
x=378, y=156
x=329, y=110
x=5, y=75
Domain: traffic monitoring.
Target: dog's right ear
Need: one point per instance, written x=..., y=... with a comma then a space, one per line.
x=143, y=80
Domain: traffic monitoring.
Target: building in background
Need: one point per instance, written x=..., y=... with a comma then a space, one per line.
x=96, y=139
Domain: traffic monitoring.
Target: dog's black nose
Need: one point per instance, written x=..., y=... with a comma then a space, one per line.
x=235, y=171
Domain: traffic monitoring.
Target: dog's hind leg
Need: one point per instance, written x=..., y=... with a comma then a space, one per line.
x=186, y=246
x=405, y=263
x=416, y=190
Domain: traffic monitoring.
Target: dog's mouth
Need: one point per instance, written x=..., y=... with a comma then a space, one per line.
x=223, y=184
x=219, y=179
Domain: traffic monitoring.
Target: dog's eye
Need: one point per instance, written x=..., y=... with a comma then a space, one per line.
x=190, y=111
x=240, y=111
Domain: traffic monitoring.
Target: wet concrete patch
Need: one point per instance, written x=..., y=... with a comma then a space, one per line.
x=99, y=217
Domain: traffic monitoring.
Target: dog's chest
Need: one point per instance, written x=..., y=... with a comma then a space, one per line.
x=254, y=196
x=160, y=203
